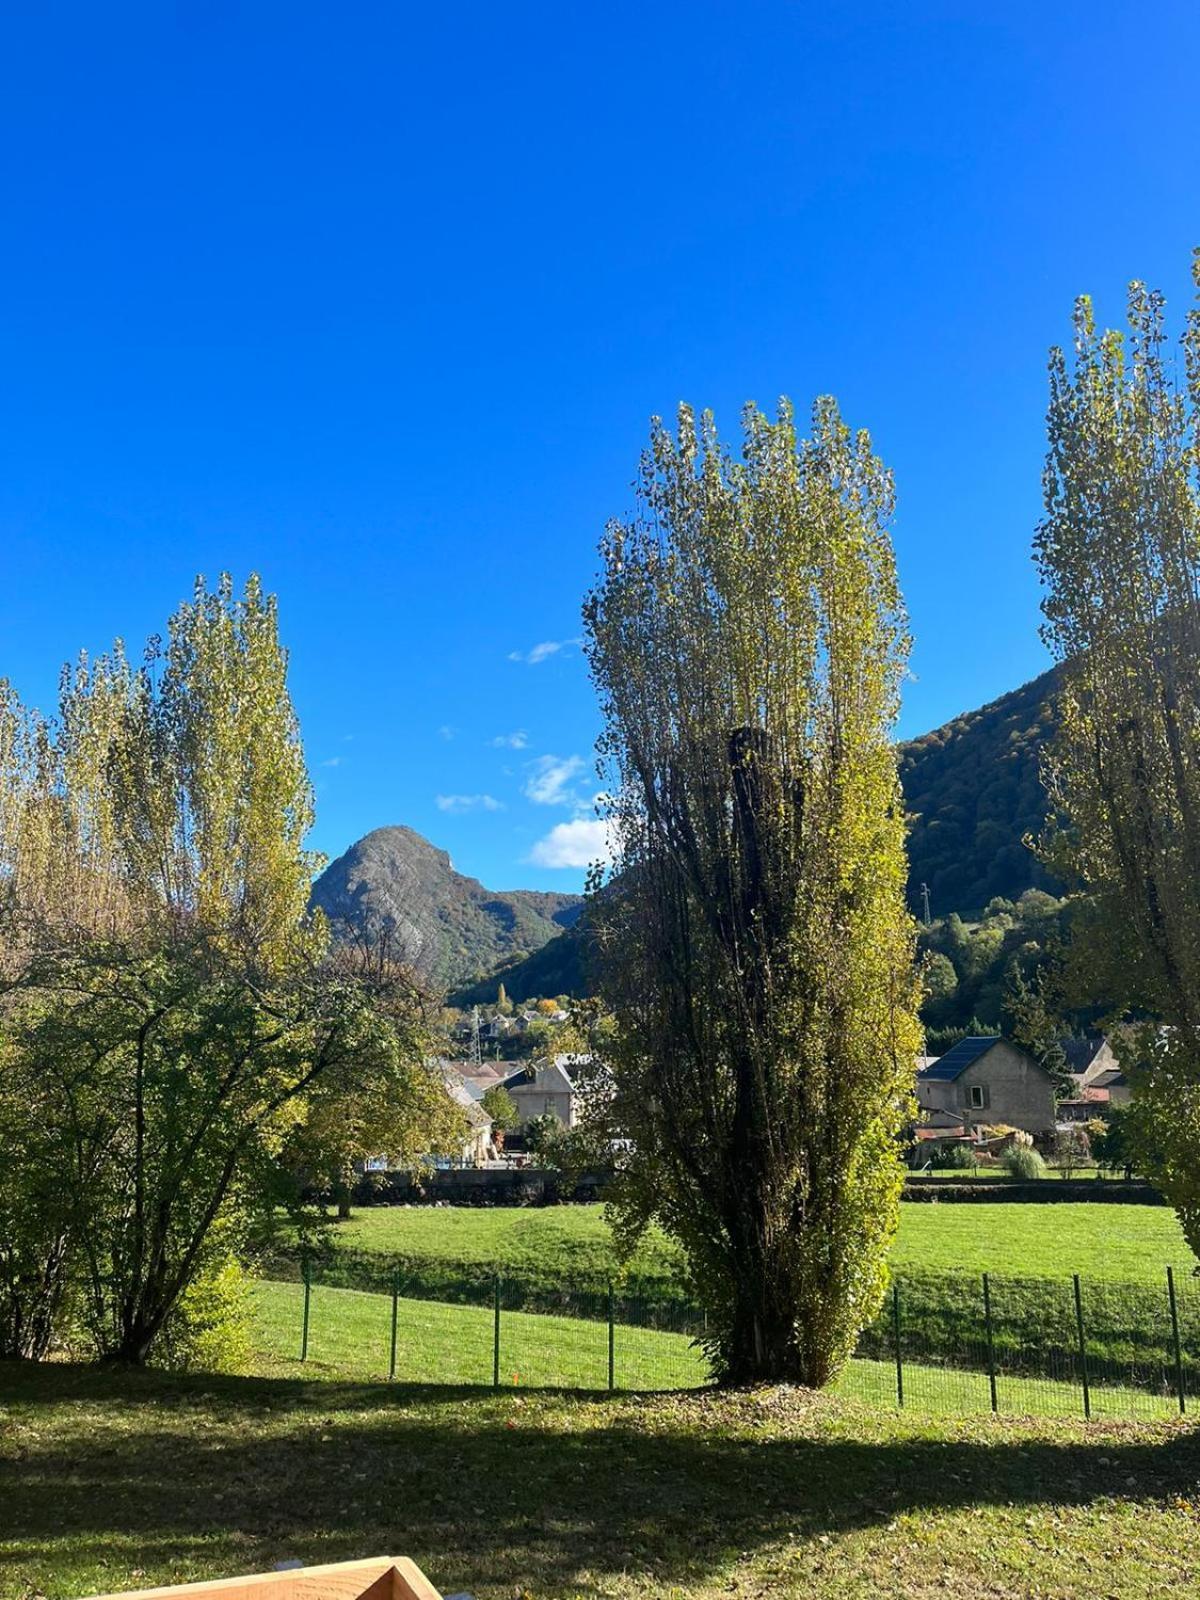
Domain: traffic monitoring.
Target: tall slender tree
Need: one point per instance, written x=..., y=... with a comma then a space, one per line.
x=747, y=638
x=1119, y=555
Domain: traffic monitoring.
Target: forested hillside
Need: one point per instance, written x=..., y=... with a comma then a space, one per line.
x=973, y=792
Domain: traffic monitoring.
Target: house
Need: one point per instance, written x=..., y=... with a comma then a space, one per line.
x=1096, y=1071
x=1087, y=1057
x=1110, y=1086
x=545, y=1085
x=987, y=1080
x=477, y=1142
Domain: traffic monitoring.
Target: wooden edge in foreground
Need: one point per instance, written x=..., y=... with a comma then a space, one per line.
x=377, y=1578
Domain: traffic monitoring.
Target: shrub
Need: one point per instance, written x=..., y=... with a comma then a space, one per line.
x=1021, y=1161
x=958, y=1157
x=209, y=1327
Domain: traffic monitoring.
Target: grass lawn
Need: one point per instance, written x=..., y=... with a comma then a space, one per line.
x=571, y=1243
x=112, y=1480
x=350, y=1336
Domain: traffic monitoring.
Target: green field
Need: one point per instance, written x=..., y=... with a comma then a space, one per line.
x=572, y=1244
x=350, y=1336
x=112, y=1480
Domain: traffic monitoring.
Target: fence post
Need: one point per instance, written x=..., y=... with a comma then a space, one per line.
x=1178, y=1348
x=611, y=1339
x=1083, y=1371
x=496, y=1337
x=395, y=1314
x=306, y=1271
x=896, y=1334
x=991, y=1348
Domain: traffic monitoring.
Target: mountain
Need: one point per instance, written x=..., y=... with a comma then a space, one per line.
x=973, y=791
x=447, y=924
x=973, y=794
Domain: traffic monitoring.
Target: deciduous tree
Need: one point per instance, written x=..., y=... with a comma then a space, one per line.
x=748, y=640
x=1119, y=555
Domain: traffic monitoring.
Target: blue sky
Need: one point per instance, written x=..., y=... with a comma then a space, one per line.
x=377, y=299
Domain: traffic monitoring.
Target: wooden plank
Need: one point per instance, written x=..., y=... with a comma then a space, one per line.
x=376, y=1578
x=411, y=1583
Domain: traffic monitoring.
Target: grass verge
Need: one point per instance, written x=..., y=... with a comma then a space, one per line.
x=112, y=1480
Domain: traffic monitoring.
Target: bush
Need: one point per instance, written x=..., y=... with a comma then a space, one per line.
x=209, y=1329
x=1020, y=1161
x=958, y=1157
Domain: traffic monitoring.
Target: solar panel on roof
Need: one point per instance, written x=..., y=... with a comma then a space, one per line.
x=957, y=1060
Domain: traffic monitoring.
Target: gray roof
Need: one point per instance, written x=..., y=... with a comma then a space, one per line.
x=547, y=1077
x=1110, y=1078
x=1080, y=1053
x=955, y=1062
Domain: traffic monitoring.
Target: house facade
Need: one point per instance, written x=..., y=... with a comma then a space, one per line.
x=988, y=1080
x=545, y=1085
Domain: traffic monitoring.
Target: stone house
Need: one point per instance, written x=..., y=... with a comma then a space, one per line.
x=1096, y=1071
x=545, y=1085
x=987, y=1080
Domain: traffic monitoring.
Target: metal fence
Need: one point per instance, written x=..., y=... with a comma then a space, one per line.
x=948, y=1342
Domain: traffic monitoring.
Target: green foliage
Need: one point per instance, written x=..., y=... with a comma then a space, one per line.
x=1118, y=550
x=172, y=1016
x=560, y=966
x=1004, y=972
x=1023, y=1161
x=974, y=793
x=958, y=1157
x=1110, y=1141
x=544, y=1135
x=747, y=639
x=1036, y=1025
x=209, y=1326
x=500, y=1106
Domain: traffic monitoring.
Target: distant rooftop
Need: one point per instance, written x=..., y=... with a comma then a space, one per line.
x=948, y=1067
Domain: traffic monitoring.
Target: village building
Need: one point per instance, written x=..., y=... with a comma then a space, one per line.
x=988, y=1081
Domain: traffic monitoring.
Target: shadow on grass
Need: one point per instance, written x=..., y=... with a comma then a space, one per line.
x=538, y=1490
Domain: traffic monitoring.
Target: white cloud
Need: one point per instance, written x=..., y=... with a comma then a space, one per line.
x=511, y=741
x=573, y=844
x=333, y=761
x=446, y=731
x=548, y=783
x=468, y=802
x=543, y=651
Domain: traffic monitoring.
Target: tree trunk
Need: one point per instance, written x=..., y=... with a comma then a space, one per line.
x=343, y=1191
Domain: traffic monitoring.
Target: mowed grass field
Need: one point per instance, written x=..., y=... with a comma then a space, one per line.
x=572, y=1243
x=350, y=1335
x=112, y=1480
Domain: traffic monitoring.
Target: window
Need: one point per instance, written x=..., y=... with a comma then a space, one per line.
x=978, y=1097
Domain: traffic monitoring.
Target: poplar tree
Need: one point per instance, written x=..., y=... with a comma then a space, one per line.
x=747, y=638
x=1118, y=551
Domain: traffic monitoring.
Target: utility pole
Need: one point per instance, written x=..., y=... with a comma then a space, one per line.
x=925, y=898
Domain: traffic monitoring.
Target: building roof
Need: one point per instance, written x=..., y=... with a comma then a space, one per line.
x=458, y=1091
x=1112, y=1078
x=548, y=1077
x=1080, y=1053
x=955, y=1062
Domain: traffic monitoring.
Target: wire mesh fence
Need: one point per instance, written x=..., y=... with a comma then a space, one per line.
x=948, y=1342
